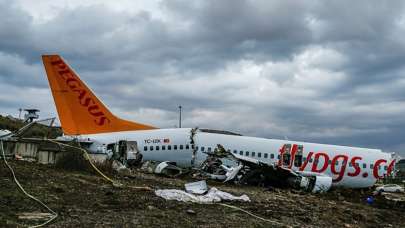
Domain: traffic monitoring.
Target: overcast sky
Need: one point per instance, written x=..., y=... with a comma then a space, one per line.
x=318, y=71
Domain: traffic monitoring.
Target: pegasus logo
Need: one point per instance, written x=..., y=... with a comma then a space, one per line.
x=321, y=161
x=84, y=98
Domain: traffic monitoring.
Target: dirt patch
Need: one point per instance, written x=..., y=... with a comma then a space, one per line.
x=86, y=200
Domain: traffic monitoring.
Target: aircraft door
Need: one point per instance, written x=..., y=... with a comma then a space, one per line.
x=298, y=156
x=128, y=152
x=291, y=155
x=285, y=155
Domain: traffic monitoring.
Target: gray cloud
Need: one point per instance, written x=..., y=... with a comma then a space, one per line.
x=328, y=72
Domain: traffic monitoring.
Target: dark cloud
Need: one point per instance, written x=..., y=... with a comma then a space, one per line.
x=328, y=72
x=15, y=29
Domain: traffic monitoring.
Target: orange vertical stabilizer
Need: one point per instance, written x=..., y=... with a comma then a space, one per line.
x=80, y=111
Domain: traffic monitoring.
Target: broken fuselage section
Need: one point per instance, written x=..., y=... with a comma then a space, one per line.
x=254, y=172
x=349, y=167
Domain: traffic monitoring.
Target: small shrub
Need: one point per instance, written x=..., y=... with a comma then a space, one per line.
x=73, y=160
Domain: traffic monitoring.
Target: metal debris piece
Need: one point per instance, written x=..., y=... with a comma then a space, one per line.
x=165, y=168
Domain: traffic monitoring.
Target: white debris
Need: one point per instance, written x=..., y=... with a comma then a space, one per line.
x=35, y=216
x=213, y=196
x=199, y=187
x=118, y=166
x=232, y=172
x=161, y=166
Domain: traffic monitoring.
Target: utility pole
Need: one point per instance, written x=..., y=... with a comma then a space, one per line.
x=179, y=116
x=19, y=115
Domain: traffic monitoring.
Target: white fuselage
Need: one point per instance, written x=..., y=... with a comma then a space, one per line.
x=348, y=166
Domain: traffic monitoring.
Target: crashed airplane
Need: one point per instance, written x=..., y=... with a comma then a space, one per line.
x=82, y=114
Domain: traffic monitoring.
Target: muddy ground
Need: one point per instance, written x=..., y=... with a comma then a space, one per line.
x=84, y=199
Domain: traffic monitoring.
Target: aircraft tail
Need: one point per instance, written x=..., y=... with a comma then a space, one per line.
x=80, y=111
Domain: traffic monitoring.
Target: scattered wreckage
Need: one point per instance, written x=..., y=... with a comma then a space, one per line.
x=250, y=171
x=224, y=166
x=218, y=165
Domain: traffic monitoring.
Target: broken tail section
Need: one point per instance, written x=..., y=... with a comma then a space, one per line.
x=79, y=110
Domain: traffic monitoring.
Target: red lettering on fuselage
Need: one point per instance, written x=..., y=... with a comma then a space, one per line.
x=391, y=167
x=86, y=101
x=304, y=165
x=317, y=161
x=321, y=162
x=377, y=167
x=356, y=167
x=342, y=170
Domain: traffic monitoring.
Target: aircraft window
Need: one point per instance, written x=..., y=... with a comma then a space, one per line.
x=350, y=164
x=253, y=154
x=145, y=148
x=371, y=166
x=202, y=148
x=187, y=147
x=310, y=160
x=247, y=153
x=163, y=147
x=196, y=148
x=385, y=167
x=151, y=147
x=234, y=151
x=192, y=147
x=157, y=147
x=364, y=165
x=304, y=158
x=266, y=155
x=175, y=147
x=344, y=163
x=259, y=155
x=278, y=156
x=241, y=152
x=169, y=147
x=337, y=163
x=209, y=149
x=181, y=147
x=271, y=156
x=329, y=162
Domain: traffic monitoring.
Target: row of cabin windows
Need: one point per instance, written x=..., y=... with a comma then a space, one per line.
x=167, y=147
x=254, y=154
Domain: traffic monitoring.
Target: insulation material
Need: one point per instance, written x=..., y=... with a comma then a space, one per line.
x=213, y=196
